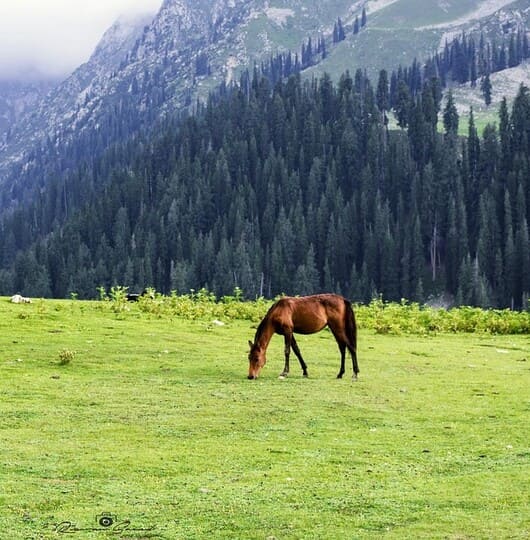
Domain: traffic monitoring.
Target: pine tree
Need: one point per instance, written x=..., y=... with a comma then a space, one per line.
x=513, y=54
x=483, y=65
x=452, y=259
x=450, y=115
x=522, y=248
x=464, y=295
x=501, y=59
x=403, y=104
x=485, y=87
x=520, y=120
x=460, y=62
x=488, y=238
x=338, y=31
x=363, y=18
x=382, y=94
x=510, y=258
x=473, y=145
x=472, y=63
x=306, y=279
x=505, y=137
x=335, y=33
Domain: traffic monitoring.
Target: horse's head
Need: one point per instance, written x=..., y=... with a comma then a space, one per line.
x=256, y=359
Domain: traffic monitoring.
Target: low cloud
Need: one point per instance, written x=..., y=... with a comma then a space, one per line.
x=50, y=38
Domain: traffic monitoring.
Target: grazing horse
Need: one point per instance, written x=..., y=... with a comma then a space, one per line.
x=305, y=315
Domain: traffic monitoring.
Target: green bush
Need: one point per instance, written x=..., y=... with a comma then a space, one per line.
x=382, y=317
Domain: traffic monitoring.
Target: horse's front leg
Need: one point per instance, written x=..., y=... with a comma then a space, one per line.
x=287, y=350
x=299, y=356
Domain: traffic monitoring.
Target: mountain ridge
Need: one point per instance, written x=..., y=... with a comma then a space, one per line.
x=163, y=63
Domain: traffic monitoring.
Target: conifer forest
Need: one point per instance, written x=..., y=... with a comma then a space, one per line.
x=285, y=186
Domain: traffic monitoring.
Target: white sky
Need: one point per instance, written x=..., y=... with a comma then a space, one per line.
x=53, y=37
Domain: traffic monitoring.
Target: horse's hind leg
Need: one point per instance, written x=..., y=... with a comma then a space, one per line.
x=299, y=356
x=343, y=342
x=353, y=352
x=342, y=348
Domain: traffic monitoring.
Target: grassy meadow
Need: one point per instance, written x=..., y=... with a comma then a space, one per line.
x=146, y=419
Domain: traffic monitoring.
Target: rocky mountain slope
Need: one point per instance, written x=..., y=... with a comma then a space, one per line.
x=144, y=69
x=17, y=98
x=70, y=102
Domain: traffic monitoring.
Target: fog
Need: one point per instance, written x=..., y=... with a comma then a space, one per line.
x=42, y=39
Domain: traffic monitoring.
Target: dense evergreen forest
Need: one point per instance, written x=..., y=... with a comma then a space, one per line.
x=298, y=188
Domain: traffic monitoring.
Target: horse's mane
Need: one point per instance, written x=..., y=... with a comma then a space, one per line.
x=261, y=326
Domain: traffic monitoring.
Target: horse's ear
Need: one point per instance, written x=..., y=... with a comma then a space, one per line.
x=250, y=344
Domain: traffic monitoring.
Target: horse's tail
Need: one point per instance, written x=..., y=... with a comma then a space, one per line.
x=350, y=323
x=350, y=326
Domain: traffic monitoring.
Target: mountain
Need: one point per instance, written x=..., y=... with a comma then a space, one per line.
x=70, y=103
x=145, y=69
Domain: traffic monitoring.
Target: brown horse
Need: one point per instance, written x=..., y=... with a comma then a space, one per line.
x=305, y=315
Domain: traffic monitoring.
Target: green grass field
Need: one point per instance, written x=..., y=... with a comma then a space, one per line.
x=150, y=418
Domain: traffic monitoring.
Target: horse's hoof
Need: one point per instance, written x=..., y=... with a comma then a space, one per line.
x=339, y=376
x=282, y=376
x=306, y=375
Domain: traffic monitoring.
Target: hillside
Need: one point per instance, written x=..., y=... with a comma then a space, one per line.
x=504, y=84
x=300, y=189
x=400, y=30
x=71, y=103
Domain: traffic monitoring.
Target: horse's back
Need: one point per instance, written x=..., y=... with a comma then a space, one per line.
x=306, y=314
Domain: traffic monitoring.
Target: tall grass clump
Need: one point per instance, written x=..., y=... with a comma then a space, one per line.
x=65, y=357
